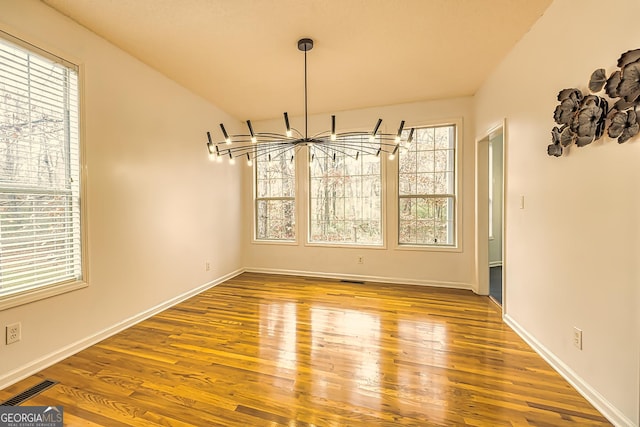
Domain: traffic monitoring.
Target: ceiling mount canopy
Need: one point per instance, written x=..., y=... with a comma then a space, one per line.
x=305, y=45
x=272, y=145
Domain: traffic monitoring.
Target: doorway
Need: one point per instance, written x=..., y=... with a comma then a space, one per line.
x=495, y=213
x=490, y=215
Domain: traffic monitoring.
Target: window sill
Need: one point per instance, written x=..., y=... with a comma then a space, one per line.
x=425, y=248
x=32, y=295
x=275, y=242
x=346, y=245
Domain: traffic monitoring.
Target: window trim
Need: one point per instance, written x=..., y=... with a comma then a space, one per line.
x=383, y=208
x=48, y=291
x=458, y=123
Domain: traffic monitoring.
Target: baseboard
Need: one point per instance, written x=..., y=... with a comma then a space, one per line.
x=362, y=278
x=605, y=407
x=61, y=354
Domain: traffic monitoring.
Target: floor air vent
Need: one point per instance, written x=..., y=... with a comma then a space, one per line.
x=28, y=394
x=357, y=282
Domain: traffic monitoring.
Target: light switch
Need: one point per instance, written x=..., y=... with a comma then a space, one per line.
x=522, y=202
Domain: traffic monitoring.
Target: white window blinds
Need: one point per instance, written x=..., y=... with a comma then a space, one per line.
x=40, y=241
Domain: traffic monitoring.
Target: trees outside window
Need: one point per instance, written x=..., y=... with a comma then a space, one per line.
x=40, y=241
x=275, y=204
x=427, y=188
x=345, y=191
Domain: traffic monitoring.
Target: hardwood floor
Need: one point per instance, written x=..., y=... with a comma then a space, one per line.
x=266, y=350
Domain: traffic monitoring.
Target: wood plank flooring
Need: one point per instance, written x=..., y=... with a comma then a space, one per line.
x=266, y=350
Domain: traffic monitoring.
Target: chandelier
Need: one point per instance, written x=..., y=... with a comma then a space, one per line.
x=272, y=145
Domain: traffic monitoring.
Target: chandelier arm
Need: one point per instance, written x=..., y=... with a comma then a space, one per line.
x=382, y=145
x=322, y=149
x=236, y=138
x=277, y=144
x=344, y=148
x=280, y=149
x=237, y=151
x=392, y=137
x=341, y=149
x=349, y=134
x=252, y=149
x=323, y=134
x=391, y=144
x=223, y=148
x=274, y=135
x=297, y=132
x=365, y=147
x=223, y=145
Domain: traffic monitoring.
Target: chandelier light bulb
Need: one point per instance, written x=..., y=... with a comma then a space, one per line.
x=287, y=125
x=254, y=139
x=399, y=134
x=393, y=153
x=333, y=128
x=227, y=139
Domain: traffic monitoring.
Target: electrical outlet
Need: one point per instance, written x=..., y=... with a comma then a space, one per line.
x=13, y=333
x=360, y=260
x=207, y=266
x=577, y=338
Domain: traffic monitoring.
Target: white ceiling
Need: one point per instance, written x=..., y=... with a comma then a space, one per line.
x=242, y=54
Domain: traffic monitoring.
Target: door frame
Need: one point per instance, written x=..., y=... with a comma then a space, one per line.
x=482, y=211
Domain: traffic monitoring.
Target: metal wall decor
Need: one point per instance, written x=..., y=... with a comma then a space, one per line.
x=584, y=118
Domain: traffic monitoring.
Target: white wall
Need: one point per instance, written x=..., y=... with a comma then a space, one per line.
x=572, y=253
x=154, y=214
x=390, y=263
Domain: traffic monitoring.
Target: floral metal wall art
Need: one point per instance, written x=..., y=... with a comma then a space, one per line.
x=583, y=119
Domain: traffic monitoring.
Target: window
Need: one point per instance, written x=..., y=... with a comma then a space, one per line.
x=275, y=195
x=40, y=242
x=427, y=189
x=345, y=195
